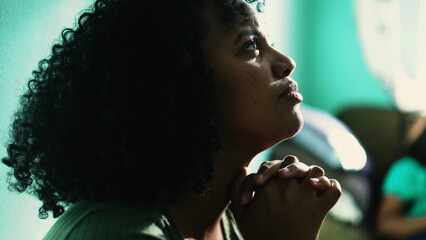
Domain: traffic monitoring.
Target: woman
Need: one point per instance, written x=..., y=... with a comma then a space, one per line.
x=141, y=126
x=402, y=211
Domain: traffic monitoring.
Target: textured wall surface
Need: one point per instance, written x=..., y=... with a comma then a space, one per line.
x=331, y=70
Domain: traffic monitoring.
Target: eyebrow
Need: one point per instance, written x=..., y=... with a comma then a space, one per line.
x=242, y=34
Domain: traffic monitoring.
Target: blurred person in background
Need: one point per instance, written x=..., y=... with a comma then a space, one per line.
x=402, y=212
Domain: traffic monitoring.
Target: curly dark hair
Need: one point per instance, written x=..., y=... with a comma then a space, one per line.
x=121, y=109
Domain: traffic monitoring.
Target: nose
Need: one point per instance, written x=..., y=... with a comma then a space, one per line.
x=283, y=66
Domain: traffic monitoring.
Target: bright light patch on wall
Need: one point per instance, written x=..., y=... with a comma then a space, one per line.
x=277, y=19
x=331, y=140
x=352, y=156
x=393, y=38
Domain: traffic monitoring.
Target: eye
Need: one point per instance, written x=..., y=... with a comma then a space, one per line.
x=252, y=45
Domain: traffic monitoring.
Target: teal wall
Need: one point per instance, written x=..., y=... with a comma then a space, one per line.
x=330, y=67
x=27, y=31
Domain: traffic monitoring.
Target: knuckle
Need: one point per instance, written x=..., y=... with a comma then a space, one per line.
x=337, y=190
x=249, y=178
x=268, y=165
x=264, y=167
x=292, y=166
x=317, y=170
x=290, y=159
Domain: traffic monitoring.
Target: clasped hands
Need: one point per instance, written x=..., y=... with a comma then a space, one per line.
x=284, y=200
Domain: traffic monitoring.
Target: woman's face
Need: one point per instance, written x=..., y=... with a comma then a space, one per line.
x=258, y=102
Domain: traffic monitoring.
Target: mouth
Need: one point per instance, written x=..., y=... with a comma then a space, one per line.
x=292, y=87
x=291, y=93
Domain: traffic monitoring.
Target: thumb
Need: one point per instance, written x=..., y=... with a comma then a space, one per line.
x=235, y=190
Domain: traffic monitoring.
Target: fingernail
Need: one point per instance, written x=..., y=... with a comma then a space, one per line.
x=259, y=176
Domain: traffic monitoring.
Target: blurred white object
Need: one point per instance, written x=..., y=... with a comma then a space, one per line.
x=327, y=138
x=331, y=140
x=393, y=39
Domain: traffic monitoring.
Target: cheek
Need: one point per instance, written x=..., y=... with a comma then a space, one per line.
x=248, y=108
x=237, y=109
x=237, y=91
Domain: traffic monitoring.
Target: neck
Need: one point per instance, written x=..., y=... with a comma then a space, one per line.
x=198, y=216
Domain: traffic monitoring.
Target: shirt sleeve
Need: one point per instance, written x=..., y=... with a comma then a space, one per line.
x=400, y=178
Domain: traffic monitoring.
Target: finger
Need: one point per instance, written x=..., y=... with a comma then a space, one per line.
x=266, y=171
x=289, y=159
x=270, y=168
x=336, y=189
x=236, y=185
x=297, y=170
x=316, y=179
x=315, y=171
x=332, y=195
x=246, y=190
x=234, y=190
x=321, y=183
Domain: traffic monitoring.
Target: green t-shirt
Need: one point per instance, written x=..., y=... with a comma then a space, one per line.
x=102, y=221
x=406, y=179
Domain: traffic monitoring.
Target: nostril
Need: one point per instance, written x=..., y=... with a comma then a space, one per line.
x=286, y=73
x=283, y=68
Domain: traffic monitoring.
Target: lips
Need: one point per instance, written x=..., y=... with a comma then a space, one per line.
x=291, y=88
x=291, y=93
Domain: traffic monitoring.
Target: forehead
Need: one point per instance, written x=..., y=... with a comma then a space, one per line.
x=233, y=17
x=229, y=14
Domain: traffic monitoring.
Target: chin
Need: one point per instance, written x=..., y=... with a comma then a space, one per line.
x=289, y=129
x=299, y=125
x=288, y=133
x=295, y=128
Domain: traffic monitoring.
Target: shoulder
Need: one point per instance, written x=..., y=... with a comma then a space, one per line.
x=114, y=221
x=406, y=164
x=403, y=177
